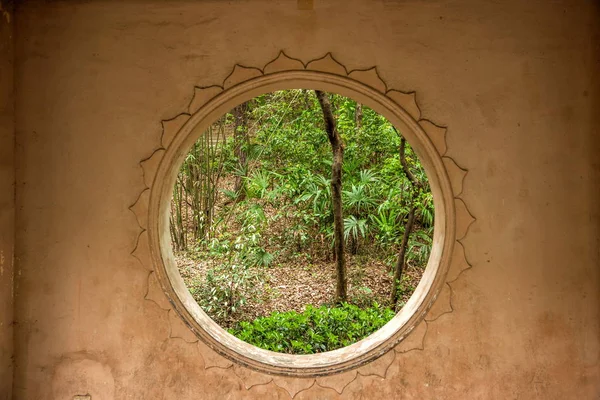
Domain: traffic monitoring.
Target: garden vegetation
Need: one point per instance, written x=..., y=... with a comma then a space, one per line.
x=301, y=221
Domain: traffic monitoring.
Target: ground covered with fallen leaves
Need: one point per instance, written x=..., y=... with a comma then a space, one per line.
x=299, y=282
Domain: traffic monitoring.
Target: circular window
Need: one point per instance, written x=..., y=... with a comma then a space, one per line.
x=301, y=221
x=163, y=219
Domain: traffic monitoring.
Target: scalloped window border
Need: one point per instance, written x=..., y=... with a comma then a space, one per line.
x=243, y=84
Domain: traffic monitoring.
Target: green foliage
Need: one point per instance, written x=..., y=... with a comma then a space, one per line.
x=225, y=290
x=358, y=200
x=404, y=287
x=354, y=227
x=283, y=211
x=419, y=246
x=229, y=282
x=315, y=330
x=292, y=164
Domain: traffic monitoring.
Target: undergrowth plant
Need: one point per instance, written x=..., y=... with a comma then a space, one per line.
x=315, y=330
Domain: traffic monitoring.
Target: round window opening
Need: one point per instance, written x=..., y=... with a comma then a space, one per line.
x=296, y=227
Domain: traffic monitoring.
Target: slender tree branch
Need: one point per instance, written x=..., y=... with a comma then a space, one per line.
x=337, y=149
x=401, y=261
x=411, y=178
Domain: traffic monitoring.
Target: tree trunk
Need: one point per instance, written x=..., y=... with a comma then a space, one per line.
x=401, y=262
x=240, y=127
x=337, y=149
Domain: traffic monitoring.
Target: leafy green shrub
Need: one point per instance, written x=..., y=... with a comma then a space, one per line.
x=313, y=331
x=225, y=290
x=229, y=283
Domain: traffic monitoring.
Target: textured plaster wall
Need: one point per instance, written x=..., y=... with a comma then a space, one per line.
x=7, y=197
x=515, y=82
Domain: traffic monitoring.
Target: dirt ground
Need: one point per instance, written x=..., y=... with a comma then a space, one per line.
x=297, y=283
